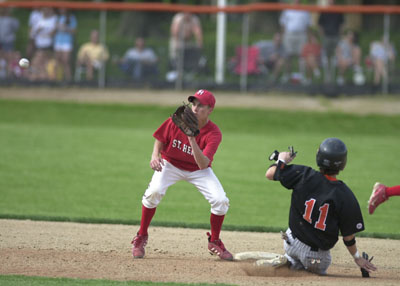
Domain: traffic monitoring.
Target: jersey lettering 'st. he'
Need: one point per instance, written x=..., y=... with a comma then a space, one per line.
x=177, y=144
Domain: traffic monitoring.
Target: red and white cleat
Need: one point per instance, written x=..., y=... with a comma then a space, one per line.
x=216, y=247
x=139, y=242
x=378, y=196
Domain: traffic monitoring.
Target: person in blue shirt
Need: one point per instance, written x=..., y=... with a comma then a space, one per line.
x=64, y=41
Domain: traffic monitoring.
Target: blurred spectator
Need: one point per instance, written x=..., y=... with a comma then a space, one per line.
x=34, y=18
x=9, y=26
x=330, y=25
x=3, y=68
x=295, y=24
x=381, y=55
x=64, y=42
x=8, y=29
x=311, y=55
x=247, y=60
x=186, y=36
x=348, y=54
x=272, y=55
x=54, y=70
x=139, y=62
x=91, y=56
x=43, y=33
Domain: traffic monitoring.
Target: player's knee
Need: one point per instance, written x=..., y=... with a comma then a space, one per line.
x=220, y=205
x=317, y=266
x=152, y=199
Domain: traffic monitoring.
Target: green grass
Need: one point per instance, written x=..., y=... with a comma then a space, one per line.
x=86, y=162
x=11, y=280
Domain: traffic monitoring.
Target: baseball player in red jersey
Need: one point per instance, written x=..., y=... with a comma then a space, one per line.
x=380, y=194
x=177, y=157
x=321, y=206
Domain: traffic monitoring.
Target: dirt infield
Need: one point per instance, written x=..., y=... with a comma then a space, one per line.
x=94, y=251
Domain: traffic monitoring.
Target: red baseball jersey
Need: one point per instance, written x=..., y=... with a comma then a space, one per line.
x=177, y=149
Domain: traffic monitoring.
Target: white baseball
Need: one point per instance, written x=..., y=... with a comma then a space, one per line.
x=24, y=63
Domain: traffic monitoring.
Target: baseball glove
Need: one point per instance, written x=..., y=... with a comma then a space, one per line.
x=186, y=120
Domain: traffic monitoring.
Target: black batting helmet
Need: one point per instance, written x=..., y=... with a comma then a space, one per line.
x=332, y=155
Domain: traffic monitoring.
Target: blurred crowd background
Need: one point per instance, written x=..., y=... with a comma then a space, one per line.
x=291, y=50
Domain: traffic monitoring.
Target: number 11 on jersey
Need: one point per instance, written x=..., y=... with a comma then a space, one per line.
x=323, y=213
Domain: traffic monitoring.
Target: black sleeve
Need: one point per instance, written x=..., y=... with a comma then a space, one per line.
x=351, y=220
x=290, y=175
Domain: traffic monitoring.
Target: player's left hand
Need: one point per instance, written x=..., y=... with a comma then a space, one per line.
x=191, y=139
x=366, y=264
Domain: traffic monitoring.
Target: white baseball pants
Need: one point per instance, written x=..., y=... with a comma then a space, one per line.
x=301, y=256
x=204, y=180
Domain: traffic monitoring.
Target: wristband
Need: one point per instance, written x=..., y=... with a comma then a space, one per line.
x=283, y=161
x=356, y=255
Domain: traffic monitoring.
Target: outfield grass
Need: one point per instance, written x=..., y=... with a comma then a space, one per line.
x=11, y=280
x=84, y=162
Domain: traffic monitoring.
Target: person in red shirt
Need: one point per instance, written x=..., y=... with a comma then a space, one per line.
x=311, y=54
x=177, y=157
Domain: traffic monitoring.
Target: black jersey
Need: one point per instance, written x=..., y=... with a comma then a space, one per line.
x=320, y=207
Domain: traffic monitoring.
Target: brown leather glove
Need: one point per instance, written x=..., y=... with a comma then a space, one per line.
x=186, y=120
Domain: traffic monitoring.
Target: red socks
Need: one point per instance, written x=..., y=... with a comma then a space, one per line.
x=393, y=191
x=216, y=225
x=147, y=216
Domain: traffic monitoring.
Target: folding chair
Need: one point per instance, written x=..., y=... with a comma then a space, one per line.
x=247, y=61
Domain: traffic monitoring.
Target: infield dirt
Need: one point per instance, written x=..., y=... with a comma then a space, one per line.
x=95, y=251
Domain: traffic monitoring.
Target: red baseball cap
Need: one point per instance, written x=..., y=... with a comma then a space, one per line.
x=204, y=96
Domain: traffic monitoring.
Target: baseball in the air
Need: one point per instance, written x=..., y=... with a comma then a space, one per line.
x=24, y=63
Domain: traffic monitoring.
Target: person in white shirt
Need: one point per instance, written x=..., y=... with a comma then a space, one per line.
x=34, y=17
x=43, y=33
x=382, y=55
x=295, y=25
x=139, y=62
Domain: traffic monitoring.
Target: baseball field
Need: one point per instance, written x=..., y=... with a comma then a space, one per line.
x=75, y=163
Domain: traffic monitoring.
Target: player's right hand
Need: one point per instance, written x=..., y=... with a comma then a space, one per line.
x=287, y=157
x=156, y=164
